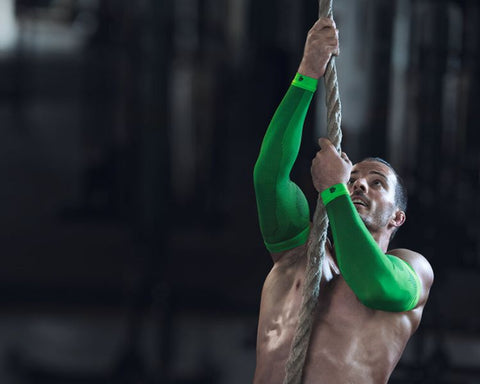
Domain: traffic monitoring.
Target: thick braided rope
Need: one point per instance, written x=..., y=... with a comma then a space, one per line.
x=318, y=233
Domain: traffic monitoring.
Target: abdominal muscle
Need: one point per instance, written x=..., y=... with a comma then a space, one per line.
x=350, y=343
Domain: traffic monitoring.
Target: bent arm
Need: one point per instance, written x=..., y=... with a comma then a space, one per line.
x=283, y=210
x=380, y=281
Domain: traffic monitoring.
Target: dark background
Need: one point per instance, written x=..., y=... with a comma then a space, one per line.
x=130, y=245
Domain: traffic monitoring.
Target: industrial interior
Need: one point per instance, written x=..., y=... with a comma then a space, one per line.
x=131, y=251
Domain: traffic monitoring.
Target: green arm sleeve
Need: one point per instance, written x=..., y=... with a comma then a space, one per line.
x=282, y=207
x=380, y=281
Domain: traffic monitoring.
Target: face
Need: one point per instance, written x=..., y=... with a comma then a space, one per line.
x=372, y=189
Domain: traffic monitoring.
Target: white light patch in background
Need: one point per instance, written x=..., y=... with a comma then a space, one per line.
x=8, y=25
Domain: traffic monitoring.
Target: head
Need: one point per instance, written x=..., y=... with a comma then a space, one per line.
x=379, y=194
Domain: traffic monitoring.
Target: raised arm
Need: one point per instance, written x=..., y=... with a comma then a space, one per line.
x=282, y=207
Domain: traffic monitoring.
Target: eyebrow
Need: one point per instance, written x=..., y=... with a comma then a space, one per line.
x=374, y=172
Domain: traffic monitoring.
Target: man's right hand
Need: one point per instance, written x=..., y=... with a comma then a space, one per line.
x=321, y=44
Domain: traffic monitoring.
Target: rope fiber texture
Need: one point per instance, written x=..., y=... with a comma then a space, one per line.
x=318, y=233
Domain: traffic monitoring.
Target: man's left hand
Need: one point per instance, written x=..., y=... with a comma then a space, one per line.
x=329, y=167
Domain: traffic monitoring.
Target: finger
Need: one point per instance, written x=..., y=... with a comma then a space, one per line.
x=345, y=157
x=326, y=34
x=332, y=48
x=331, y=39
x=324, y=22
x=325, y=144
x=335, y=49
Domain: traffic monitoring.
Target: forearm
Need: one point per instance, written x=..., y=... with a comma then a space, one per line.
x=282, y=208
x=380, y=281
x=283, y=137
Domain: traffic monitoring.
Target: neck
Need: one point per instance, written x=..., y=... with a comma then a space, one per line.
x=382, y=239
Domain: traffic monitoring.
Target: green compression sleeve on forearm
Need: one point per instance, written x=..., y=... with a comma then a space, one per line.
x=283, y=210
x=380, y=281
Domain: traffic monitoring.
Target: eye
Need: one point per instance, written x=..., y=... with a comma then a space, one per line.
x=377, y=183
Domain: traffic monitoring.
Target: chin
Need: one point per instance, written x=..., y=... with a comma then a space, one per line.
x=366, y=221
x=362, y=216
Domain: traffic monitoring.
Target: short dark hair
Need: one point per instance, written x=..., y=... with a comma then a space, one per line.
x=401, y=195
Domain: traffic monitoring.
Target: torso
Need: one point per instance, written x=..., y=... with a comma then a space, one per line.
x=350, y=343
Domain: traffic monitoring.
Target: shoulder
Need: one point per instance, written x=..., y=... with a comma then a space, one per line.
x=420, y=265
x=417, y=261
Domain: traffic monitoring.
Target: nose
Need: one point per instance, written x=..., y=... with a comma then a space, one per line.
x=361, y=184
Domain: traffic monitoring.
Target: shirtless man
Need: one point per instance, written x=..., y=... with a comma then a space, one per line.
x=371, y=300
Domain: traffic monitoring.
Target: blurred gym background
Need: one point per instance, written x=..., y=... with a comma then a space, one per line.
x=130, y=247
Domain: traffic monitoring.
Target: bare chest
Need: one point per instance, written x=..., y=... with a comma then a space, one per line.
x=348, y=339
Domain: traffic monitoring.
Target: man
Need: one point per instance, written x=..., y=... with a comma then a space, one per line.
x=371, y=300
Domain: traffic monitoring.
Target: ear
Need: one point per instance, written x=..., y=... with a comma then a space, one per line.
x=398, y=218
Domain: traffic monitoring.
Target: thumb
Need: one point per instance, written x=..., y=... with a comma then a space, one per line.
x=324, y=143
x=345, y=157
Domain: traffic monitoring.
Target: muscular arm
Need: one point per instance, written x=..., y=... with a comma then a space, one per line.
x=380, y=281
x=282, y=207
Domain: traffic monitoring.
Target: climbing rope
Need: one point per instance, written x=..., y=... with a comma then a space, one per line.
x=318, y=233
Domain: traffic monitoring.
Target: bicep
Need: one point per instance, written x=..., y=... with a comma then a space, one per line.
x=284, y=215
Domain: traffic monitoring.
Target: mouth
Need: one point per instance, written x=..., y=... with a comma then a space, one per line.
x=359, y=202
